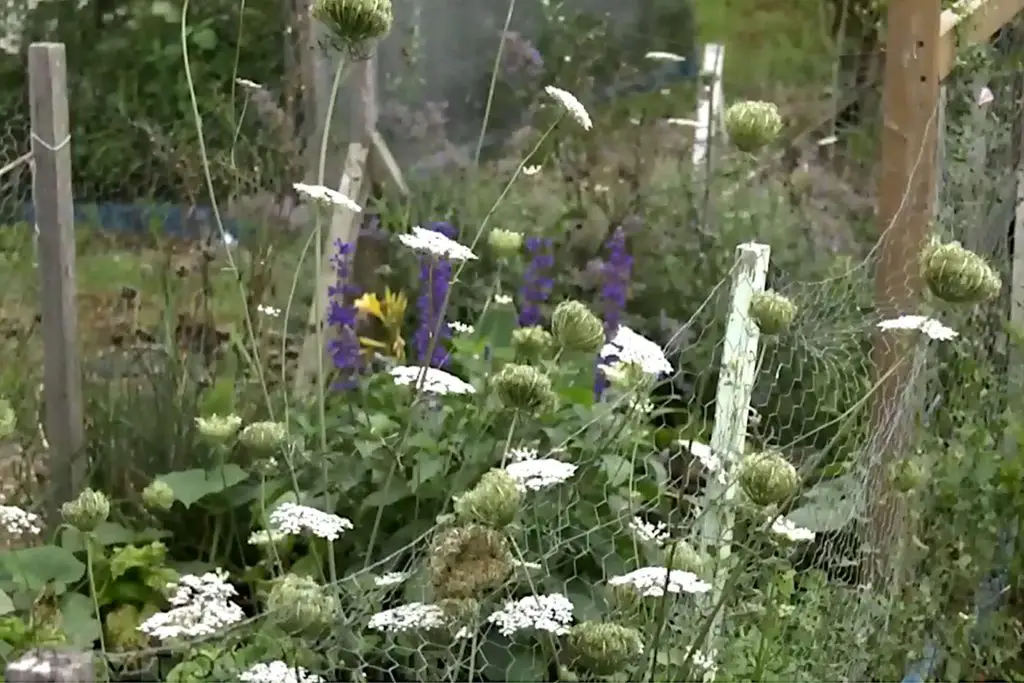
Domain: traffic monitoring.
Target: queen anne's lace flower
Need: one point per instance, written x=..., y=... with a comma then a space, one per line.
x=201, y=606
x=628, y=346
x=534, y=475
x=390, y=579
x=571, y=105
x=787, y=529
x=248, y=85
x=437, y=244
x=435, y=381
x=929, y=327
x=461, y=328
x=654, y=582
x=659, y=56
x=652, y=533
x=706, y=457
x=278, y=672
x=325, y=195
x=551, y=613
x=414, y=616
x=521, y=454
x=290, y=518
x=18, y=522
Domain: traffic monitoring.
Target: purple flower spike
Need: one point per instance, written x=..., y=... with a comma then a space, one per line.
x=435, y=278
x=341, y=317
x=537, y=280
x=616, y=272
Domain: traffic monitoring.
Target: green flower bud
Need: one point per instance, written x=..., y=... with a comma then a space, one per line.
x=772, y=312
x=301, y=606
x=217, y=429
x=603, y=649
x=576, y=328
x=158, y=496
x=958, y=275
x=469, y=561
x=8, y=420
x=906, y=474
x=354, y=23
x=86, y=512
x=524, y=387
x=506, y=244
x=264, y=436
x=494, y=501
x=121, y=626
x=532, y=344
x=681, y=555
x=752, y=125
x=768, y=478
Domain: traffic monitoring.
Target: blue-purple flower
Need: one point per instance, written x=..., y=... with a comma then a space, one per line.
x=435, y=279
x=616, y=271
x=537, y=280
x=343, y=344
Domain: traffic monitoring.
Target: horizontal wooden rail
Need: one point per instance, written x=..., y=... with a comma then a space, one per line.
x=971, y=22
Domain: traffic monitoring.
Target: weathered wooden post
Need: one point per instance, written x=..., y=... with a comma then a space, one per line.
x=51, y=197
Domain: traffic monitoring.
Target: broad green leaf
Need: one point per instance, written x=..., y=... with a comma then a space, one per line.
x=36, y=567
x=507, y=661
x=6, y=604
x=79, y=620
x=191, y=486
x=219, y=399
x=395, y=491
x=831, y=505
x=428, y=466
x=496, y=326
x=136, y=557
x=616, y=469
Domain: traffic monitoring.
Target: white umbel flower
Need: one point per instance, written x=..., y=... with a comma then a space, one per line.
x=278, y=672
x=653, y=582
x=628, y=346
x=326, y=196
x=295, y=519
x=18, y=522
x=521, y=454
x=787, y=529
x=414, y=616
x=929, y=327
x=201, y=607
x=571, y=105
x=435, y=381
x=531, y=170
x=502, y=299
x=656, y=533
x=534, y=475
x=389, y=579
x=269, y=311
x=436, y=244
x=461, y=328
x=251, y=86
x=551, y=613
x=706, y=457
x=659, y=56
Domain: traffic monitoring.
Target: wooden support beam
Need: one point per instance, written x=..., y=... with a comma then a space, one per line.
x=970, y=22
x=911, y=95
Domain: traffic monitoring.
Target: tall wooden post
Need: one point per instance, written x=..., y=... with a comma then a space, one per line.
x=905, y=210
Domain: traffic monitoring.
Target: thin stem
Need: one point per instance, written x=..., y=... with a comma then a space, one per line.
x=494, y=82
x=89, y=563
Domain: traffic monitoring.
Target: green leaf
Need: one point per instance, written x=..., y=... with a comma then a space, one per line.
x=831, y=505
x=36, y=567
x=496, y=326
x=219, y=399
x=427, y=467
x=79, y=621
x=616, y=469
x=191, y=486
x=506, y=661
x=6, y=604
x=136, y=557
x=395, y=491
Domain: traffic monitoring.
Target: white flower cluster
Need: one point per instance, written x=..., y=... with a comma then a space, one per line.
x=534, y=475
x=390, y=579
x=572, y=106
x=628, y=346
x=434, y=381
x=278, y=672
x=248, y=85
x=461, y=328
x=706, y=457
x=787, y=529
x=200, y=606
x=551, y=613
x=436, y=244
x=413, y=616
x=651, y=533
x=267, y=537
x=929, y=327
x=326, y=196
x=290, y=518
x=521, y=454
x=654, y=582
x=18, y=522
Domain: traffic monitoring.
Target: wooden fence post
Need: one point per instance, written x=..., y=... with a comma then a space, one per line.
x=732, y=410
x=44, y=665
x=51, y=197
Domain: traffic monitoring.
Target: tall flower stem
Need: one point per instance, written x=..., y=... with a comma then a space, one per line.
x=90, y=563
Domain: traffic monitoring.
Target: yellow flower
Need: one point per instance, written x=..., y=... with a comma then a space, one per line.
x=369, y=304
x=394, y=309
